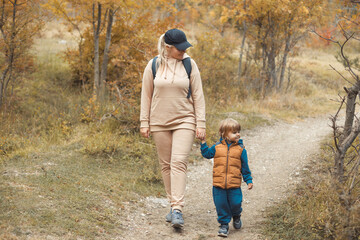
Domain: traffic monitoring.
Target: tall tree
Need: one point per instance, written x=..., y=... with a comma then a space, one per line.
x=272, y=29
x=98, y=21
x=20, y=21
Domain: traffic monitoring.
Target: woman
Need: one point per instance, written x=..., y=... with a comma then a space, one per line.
x=173, y=111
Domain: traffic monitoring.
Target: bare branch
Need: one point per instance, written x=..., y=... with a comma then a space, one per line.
x=328, y=39
x=355, y=76
x=334, y=126
x=355, y=174
x=341, y=74
x=348, y=19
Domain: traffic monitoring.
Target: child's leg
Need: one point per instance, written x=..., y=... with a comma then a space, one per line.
x=163, y=142
x=182, y=141
x=235, y=200
x=222, y=206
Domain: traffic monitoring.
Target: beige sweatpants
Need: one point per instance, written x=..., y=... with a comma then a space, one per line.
x=173, y=148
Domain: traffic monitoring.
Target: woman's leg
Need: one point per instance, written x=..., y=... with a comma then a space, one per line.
x=163, y=142
x=182, y=142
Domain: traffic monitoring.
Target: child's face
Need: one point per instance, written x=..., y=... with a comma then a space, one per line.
x=233, y=136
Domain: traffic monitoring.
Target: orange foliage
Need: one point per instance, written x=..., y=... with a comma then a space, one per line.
x=20, y=21
x=136, y=29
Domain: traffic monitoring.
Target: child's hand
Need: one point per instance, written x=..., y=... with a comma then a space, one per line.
x=200, y=133
x=250, y=186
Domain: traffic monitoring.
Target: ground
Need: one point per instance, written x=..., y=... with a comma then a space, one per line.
x=54, y=195
x=278, y=156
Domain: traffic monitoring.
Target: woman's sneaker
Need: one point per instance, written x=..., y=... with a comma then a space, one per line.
x=168, y=216
x=237, y=222
x=177, y=220
x=223, y=230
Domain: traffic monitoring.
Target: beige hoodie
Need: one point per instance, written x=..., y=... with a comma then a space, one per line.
x=165, y=106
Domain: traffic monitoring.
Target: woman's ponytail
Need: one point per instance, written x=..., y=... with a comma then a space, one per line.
x=162, y=50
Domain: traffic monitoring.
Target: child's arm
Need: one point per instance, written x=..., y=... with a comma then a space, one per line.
x=245, y=170
x=207, y=152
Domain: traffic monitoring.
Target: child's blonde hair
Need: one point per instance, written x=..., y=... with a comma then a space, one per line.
x=228, y=125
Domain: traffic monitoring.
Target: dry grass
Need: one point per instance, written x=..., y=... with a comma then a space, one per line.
x=61, y=192
x=314, y=209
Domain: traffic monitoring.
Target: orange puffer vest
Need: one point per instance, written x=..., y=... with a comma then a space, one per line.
x=227, y=166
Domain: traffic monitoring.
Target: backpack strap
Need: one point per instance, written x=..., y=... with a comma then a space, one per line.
x=187, y=64
x=153, y=67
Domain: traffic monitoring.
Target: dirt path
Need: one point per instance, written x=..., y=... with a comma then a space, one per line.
x=277, y=157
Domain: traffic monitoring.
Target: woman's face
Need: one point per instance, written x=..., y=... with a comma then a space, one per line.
x=173, y=52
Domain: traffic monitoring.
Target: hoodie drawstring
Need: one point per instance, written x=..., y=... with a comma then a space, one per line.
x=173, y=76
x=166, y=68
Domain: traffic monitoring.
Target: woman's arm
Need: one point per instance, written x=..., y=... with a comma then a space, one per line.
x=197, y=96
x=146, y=96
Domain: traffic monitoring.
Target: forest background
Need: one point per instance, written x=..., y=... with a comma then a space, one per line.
x=71, y=79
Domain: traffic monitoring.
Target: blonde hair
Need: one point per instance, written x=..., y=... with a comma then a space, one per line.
x=162, y=50
x=227, y=126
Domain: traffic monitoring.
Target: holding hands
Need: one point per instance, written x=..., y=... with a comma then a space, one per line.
x=201, y=133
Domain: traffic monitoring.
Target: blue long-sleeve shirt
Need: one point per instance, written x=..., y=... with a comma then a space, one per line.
x=209, y=153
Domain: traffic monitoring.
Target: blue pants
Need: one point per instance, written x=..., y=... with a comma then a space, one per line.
x=227, y=203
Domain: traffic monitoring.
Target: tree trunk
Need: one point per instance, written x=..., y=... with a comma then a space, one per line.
x=272, y=69
x=241, y=52
x=96, y=28
x=82, y=67
x=1, y=94
x=10, y=48
x=284, y=61
x=339, y=165
x=350, y=109
x=106, y=54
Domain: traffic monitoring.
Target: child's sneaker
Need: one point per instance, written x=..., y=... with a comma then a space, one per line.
x=177, y=220
x=237, y=222
x=223, y=230
x=168, y=216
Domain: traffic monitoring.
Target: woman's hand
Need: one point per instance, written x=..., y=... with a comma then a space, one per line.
x=145, y=132
x=200, y=133
x=250, y=186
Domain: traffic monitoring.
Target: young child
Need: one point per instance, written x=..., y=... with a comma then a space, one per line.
x=230, y=163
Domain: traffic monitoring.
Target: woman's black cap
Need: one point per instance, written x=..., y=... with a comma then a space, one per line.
x=177, y=38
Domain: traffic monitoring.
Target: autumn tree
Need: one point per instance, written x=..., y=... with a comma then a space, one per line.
x=271, y=29
x=99, y=15
x=116, y=39
x=101, y=25
x=20, y=21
